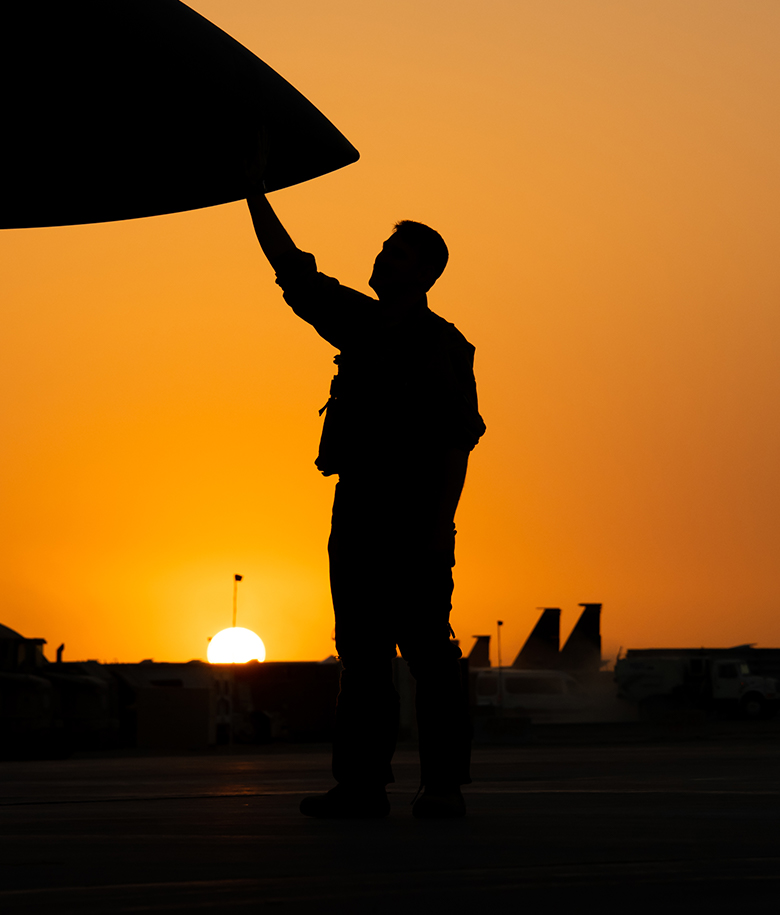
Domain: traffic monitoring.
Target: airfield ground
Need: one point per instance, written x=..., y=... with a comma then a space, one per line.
x=618, y=819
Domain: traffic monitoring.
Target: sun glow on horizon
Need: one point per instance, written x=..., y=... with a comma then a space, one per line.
x=235, y=645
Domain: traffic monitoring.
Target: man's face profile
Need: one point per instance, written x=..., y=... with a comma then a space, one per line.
x=397, y=269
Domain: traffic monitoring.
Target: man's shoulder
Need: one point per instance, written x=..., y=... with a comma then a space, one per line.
x=298, y=268
x=449, y=332
x=356, y=297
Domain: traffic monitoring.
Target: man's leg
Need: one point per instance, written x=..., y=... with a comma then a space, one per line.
x=443, y=720
x=366, y=725
x=367, y=708
x=368, y=705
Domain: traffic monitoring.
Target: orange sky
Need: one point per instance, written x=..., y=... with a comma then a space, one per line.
x=607, y=176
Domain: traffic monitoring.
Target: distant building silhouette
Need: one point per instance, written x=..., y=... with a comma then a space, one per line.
x=47, y=709
x=18, y=654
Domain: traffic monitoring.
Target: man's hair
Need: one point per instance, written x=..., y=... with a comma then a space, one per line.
x=428, y=244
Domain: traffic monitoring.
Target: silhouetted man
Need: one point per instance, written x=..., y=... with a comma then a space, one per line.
x=399, y=425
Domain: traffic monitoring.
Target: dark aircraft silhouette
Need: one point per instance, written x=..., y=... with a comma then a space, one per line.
x=542, y=651
x=116, y=109
x=541, y=648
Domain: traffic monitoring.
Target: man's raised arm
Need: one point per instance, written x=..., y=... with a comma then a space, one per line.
x=306, y=291
x=272, y=235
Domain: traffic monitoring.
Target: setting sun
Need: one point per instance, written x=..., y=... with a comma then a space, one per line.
x=235, y=646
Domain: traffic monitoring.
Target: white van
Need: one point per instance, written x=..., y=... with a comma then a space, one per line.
x=542, y=695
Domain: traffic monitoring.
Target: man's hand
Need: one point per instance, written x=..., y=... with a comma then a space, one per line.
x=256, y=159
x=271, y=234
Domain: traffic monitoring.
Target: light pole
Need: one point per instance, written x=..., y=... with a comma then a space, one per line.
x=500, y=677
x=236, y=580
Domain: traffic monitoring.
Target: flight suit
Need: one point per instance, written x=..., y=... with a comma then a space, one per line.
x=400, y=422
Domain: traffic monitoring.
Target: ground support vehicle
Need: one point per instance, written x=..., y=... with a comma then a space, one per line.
x=540, y=695
x=720, y=685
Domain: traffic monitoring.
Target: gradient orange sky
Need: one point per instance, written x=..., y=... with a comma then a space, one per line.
x=607, y=176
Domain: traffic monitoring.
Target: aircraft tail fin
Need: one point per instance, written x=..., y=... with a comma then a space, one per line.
x=582, y=650
x=540, y=651
x=479, y=656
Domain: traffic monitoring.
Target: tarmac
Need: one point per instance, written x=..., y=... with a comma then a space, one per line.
x=620, y=821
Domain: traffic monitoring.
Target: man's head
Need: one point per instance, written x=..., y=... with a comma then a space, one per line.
x=410, y=261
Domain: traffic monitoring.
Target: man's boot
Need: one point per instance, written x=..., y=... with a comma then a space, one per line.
x=345, y=802
x=439, y=802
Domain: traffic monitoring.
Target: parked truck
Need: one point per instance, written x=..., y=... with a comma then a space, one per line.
x=722, y=685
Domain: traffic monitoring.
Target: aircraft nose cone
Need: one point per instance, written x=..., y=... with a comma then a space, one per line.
x=129, y=108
